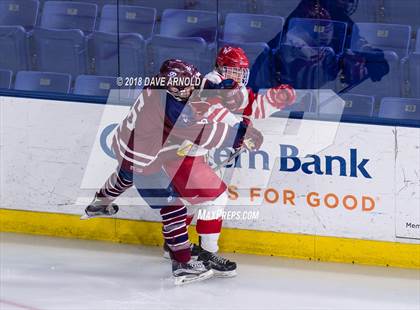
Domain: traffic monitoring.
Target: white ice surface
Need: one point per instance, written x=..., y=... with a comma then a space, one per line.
x=39, y=273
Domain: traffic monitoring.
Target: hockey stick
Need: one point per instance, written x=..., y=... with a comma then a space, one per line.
x=231, y=158
x=350, y=87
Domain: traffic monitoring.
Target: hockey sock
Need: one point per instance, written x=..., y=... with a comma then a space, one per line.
x=209, y=222
x=114, y=187
x=175, y=232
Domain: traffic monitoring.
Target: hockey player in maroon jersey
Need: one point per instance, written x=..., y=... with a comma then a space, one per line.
x=151, y=135
x=224, y=94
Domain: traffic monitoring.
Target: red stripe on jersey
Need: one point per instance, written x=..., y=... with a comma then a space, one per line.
x=262, y=108
x=257, y=112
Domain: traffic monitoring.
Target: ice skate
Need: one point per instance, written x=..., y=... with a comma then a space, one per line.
x=193, y=271
x=222, y=267
x=98, y=208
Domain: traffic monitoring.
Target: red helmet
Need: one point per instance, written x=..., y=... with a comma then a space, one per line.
x=233, y=63
x=234, y=57
x=181, y=78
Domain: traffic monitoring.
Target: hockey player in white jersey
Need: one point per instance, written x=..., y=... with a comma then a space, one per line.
x=232, y=63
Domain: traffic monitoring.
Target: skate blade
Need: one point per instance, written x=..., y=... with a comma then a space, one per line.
x=88, y=217
x=85, y=217
x=187, y=280
x=225, y=274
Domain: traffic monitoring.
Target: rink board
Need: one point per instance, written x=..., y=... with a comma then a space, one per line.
x=311, y=247
x=54, y=155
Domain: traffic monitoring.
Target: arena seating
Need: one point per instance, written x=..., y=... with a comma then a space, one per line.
x=193, y=50
x=316, y=31
x=92, y=85
x=59, y=51
x=389, y=86
x=367, y=12
x=69, y=15
x=275, y=7
x=250, y=28
x=405, y=12
x=13, y=48
x=103, y=49
x=223, y=7
x=19, y=13
x=358, y=105
x=133, y=19
x=78, y=38
x=251, y=32
x=186, y=34
x=159, y=5
x=400, y=108
x=349, y=105
x=5, y=79
x=189, y=24
x=43, y=81
x=383, y=36
x=100, y=3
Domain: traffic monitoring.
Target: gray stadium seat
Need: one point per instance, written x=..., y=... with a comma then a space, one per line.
x=19, y=13
x=103, y=48
x=133, y=19
x=192, y=50
x=92, y=85
x=400, y=109
x=389, y=86
x=358, y=105
x=43, y=81
x=384, y=36
x=60, y=51
x=249, y=28
x=189, y=24
x=13, y=48
x=69, y=15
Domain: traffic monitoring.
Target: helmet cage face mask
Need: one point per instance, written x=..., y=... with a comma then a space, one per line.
x=181, y=94
x=239, y=75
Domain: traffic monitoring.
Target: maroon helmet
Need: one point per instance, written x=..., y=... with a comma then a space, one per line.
x=181, y=78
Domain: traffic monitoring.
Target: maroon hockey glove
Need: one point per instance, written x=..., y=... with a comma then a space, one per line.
x=253, y=139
